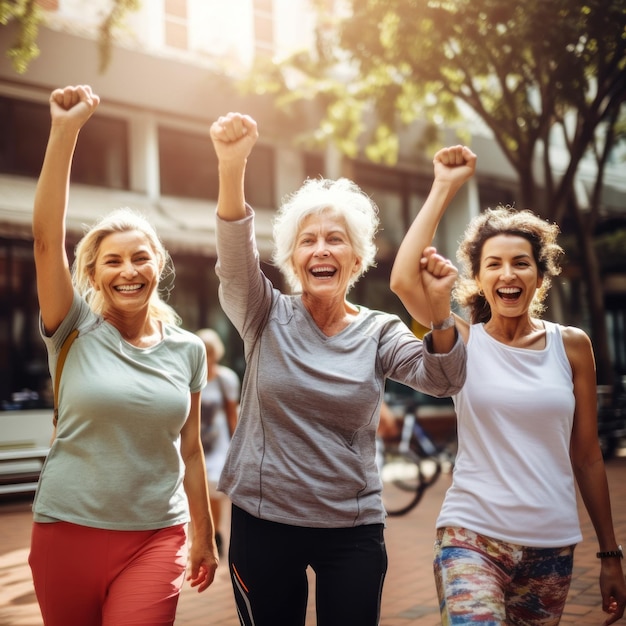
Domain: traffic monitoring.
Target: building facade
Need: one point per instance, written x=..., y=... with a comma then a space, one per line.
x=173, y=71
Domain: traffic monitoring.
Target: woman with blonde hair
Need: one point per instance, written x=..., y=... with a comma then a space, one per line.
x=125, y=472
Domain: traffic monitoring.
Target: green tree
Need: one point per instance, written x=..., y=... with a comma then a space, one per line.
x=538, y=73
x=28, y=16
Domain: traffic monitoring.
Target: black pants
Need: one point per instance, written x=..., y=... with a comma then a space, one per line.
x=268, y=563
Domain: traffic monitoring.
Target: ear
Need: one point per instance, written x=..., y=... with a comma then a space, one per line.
x=539, y=281
x=357, y=265
x=93, y=283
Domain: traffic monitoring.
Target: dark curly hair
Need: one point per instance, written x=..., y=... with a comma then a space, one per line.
x=505, y=220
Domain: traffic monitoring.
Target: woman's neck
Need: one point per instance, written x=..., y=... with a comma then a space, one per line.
x=140, y=331
x=331, y=316
x=521, y=332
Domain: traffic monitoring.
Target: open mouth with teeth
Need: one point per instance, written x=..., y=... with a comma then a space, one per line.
x=510, y=294
x=324, y=271
x=129, y=288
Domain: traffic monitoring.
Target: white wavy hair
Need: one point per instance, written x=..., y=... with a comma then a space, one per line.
x=343, y=198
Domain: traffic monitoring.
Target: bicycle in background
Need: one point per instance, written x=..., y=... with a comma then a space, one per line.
x=410, y=462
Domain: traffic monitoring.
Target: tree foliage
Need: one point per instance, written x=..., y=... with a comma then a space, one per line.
x=523, y=68
x=539, y=74
x=112, y=22
x=29, y=16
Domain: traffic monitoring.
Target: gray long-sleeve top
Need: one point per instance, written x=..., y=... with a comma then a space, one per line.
x=304, y=449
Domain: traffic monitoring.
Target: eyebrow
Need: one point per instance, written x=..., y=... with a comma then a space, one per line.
x=524, y=255
x=142, y=250
x=310, y=233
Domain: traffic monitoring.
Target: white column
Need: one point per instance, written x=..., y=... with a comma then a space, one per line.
x=144, y=155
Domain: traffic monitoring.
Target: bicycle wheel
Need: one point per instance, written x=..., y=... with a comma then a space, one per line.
x=404, y=481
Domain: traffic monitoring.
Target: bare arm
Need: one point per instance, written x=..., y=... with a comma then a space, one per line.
x=70, y=108
x=233, y=136
x=589, y=469
x=453, y=167
x=203, y=558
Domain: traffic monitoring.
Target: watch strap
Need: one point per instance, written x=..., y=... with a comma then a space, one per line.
x=611, y=553
x=447, y=323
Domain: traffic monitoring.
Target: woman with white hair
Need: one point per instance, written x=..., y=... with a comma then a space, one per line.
x=125, y=472
x=301, y=470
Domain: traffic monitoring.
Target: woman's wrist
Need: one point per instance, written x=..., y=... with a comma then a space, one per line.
x=611, y=554
x=439, y=323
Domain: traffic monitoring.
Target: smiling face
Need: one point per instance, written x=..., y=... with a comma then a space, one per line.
x=508, y=275
x=323, y=259
x=126, y=271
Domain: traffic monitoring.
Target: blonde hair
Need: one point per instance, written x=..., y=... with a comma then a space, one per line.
x=86, y=253
x=343, y=198
x=213, y=342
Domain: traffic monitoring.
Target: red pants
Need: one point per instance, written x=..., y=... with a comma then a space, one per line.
x=92, y=577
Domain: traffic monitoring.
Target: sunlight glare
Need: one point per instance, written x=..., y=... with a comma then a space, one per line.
x=222, y=29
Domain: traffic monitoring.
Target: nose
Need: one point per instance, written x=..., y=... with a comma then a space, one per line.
x=507, y=272
x=321, y=249
x=128, y=269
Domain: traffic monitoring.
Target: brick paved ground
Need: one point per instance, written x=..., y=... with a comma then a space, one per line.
x=409, y=597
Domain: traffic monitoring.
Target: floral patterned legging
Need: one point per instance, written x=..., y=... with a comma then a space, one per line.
x=485, y=581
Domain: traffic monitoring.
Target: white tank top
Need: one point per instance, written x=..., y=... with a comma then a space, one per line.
x=513, y=478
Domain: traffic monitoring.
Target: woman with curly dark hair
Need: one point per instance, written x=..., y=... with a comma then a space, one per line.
x=527, y=423
x=542, y=237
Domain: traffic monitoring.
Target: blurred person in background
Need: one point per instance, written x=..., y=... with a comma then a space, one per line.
x=219, y=409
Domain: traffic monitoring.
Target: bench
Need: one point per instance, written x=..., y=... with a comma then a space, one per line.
x=24, y=445
x=20, y=468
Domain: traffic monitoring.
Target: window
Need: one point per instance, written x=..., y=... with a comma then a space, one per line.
x=188, y=164
x=101, y=156
x=259, y=182
x=492, y=195
x=176, y=27
x=23, y=359
x=264, y=27
x=188, y=168
x=101, y=153
x=24, y=128
x=398, y=195
x=314, y=165
x=195, y=299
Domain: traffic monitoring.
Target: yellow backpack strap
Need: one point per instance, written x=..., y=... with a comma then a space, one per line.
x=57, y=375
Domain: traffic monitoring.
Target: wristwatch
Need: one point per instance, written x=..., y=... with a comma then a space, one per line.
x=447, y=323
x=611, y=553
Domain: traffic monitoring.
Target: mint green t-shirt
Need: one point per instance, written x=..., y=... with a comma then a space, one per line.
x=116, y=461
